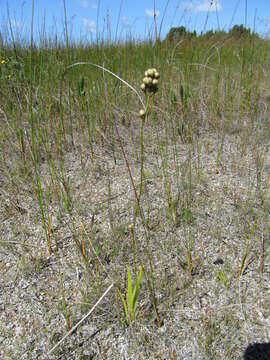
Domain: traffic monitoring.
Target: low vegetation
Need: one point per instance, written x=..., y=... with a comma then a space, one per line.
x=158, y=192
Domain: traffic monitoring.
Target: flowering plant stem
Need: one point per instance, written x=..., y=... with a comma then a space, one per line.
x=142, y=157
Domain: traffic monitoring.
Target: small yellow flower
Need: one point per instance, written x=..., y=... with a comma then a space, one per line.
x=3, y=62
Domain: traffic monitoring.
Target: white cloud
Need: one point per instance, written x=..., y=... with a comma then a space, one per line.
x=16, y=24
x=84, y=3
x=125, y=22
x=89, y=25
x=152, y=12
x=264, y=20
x=203, y=6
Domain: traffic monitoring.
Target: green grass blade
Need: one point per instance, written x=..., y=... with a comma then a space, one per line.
x=136, y=289
x=130, y=294
x=124, y=306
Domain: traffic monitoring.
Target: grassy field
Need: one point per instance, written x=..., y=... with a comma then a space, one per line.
x=169, y=212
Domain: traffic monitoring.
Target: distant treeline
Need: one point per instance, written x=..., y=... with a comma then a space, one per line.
x=237, y=31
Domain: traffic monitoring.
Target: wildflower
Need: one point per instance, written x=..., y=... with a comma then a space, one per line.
x=145, y=80
x=149, y=86
x=3, y=62
x=130, y=227
x=150, y=81
x=142, y=113
x=151, y=72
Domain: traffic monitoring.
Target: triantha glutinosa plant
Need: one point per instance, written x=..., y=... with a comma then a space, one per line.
x=149, y=87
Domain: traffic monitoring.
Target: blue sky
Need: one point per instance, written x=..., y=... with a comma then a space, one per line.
x=115, y=18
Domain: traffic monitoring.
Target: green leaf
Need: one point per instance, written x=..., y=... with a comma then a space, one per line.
x=130, y=303
x=137, y=289
x=125, y=306
x=130, y=294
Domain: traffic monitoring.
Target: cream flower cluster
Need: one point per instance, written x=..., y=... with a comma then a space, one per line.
x=149, y=85
x=150, y=81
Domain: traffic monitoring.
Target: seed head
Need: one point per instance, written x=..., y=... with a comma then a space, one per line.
x=156, y=75
x=155, y=82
